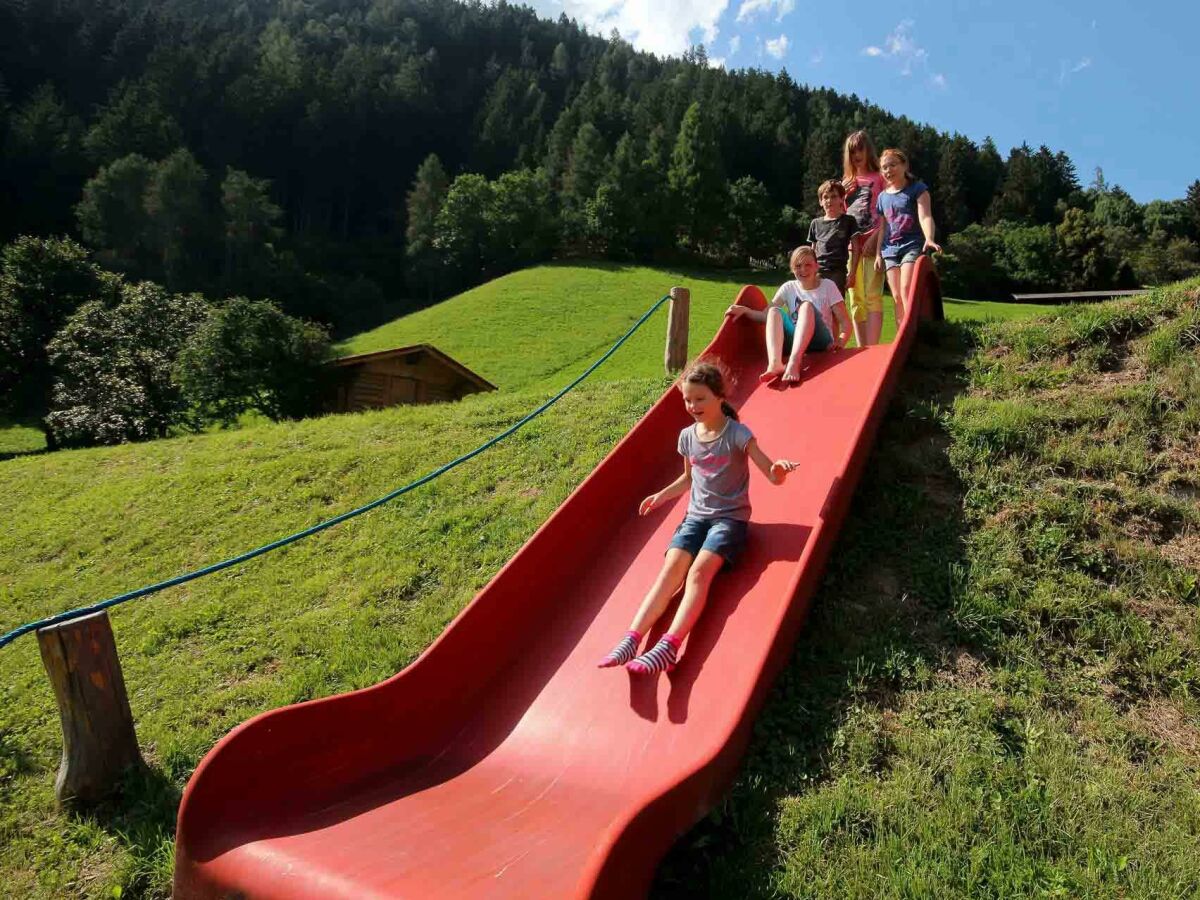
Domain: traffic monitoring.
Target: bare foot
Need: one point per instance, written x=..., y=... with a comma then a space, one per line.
x=770, y=375
x=792, y=372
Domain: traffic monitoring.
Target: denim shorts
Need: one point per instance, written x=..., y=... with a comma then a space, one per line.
x=821, y=338
x=908, y=252
x=724, y=537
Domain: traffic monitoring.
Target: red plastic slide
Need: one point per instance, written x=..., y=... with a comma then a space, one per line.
x=487, y=770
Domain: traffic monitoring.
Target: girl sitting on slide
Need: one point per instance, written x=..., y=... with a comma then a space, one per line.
x=716, y=451
x=800, y=318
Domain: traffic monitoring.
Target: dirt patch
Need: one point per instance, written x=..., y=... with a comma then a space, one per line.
x=964, y=669
x=1122, y=371
x=1167, y=723
x=1183, y=550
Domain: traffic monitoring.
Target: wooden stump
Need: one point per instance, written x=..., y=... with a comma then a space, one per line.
x=99, y=743
x=677, y=330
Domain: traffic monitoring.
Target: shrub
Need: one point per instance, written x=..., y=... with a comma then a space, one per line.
x=113, y=363
x=250, y=355
x=42, y=282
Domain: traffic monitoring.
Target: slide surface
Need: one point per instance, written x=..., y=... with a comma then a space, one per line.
x=502, y=763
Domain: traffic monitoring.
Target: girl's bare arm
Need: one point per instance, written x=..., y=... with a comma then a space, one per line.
x=776, y=471
x=670, y=492
x=925, y=214
x=756, y=315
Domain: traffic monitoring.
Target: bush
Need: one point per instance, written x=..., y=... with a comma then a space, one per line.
x=113, y=363
x=250, y=355
x=42, y=282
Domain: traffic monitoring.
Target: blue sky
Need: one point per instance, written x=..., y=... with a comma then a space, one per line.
x=1115, y=85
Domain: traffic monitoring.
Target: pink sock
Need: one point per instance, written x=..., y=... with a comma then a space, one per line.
x=625, y=650
x=659, y=658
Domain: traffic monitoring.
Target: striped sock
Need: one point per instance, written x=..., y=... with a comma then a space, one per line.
x=660, y=657
x=623, y=652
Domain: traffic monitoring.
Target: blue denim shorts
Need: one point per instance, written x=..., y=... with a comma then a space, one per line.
x=724, y=537
x=821, y=338
x=906, y=253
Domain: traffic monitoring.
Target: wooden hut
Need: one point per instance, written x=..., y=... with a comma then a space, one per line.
x=417, y=374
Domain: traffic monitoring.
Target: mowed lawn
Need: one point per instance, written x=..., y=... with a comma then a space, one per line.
x=353, y=605
x=537, y=327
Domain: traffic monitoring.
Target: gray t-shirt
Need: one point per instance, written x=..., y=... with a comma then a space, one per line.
x=720, y=472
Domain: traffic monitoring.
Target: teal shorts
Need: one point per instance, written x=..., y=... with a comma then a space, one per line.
x=821, y=339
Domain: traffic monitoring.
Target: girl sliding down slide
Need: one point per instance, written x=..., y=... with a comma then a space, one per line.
x=716, y=451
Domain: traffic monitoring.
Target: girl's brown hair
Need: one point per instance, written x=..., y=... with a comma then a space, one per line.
x=859, y=140
x=713, y=375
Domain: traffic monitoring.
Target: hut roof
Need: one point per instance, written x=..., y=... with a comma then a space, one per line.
x=449, y=362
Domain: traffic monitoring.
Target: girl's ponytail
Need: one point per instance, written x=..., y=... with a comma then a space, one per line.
x=729, y=410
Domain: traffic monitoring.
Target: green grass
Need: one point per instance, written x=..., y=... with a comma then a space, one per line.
x=349, y=607
x=19, y=438
x=536, y=327
x=996, y=694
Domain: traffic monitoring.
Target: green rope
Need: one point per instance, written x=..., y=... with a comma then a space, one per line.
x=328, y=523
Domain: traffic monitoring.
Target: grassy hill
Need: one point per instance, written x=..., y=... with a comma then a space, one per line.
x=994, y=695
x=536, y=327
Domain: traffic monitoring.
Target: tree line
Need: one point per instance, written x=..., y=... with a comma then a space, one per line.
x=335, y=155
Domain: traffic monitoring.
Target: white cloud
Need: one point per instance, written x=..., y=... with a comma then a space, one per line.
x=716, y=62
x=816, y=59
x=938, y=80
x=777, y=47
x=665, y=27
x=751, y=8
x=901, y=48
x=735, y=44
x=1065, y=69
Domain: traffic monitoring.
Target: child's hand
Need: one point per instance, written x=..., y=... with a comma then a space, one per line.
x=850, y=280
x=780, y=469
x=930, y=245
x=878, y=263
x=735, y=311
x=648, y=505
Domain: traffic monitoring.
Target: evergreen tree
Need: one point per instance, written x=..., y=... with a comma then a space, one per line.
x=586, y=167
x=425, y=200
x=751, y=223
x=696, y=178
x=178, y=214
x=1192, y=199
x=950, y=192
x=986, y=176
x=1017, y=199
x=133, y=121
x=251, y=220
x=112, y=214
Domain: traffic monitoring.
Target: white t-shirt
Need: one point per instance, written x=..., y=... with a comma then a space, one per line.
x=824, y=297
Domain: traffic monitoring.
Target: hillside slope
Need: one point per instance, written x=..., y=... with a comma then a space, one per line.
x=338, y=611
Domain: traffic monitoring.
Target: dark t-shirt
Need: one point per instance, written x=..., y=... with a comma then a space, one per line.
x=831, y=239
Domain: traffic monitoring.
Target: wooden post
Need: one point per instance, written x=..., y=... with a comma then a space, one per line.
x=677, y=330
x=99, y=743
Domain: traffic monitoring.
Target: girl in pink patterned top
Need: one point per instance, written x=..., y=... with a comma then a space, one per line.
x=864, y=287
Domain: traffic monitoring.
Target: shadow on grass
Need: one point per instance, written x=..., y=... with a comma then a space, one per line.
x=883, y=610
x=140, y=814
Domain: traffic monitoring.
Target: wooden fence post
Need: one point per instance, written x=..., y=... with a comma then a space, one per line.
x=677, y=330
x=99, y=743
